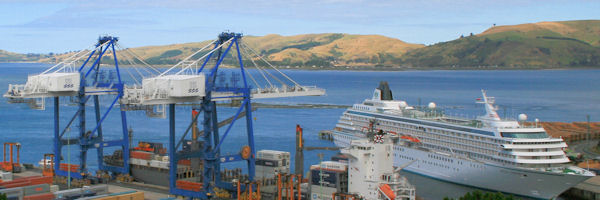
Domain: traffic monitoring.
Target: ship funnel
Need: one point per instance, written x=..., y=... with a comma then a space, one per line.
x=383, y=92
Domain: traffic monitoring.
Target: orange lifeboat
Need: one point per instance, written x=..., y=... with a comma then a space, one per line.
x=387, y=190
x=409, y=138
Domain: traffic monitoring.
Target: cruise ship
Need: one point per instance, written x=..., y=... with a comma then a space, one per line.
x=491, y=153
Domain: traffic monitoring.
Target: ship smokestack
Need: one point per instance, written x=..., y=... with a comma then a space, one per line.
x=386, y=93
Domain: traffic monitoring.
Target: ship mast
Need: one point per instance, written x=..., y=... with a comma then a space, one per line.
x=490, y=110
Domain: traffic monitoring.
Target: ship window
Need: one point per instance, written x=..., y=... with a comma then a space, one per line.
x=524, y=134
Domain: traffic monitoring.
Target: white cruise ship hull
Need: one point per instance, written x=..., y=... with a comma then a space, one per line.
x=527, y=183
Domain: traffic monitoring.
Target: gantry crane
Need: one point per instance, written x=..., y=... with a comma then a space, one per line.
x=193, y=80
x=81, y=77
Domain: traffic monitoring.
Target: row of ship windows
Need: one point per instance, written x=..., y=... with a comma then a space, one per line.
x=474, y=155
x=361, y=107
x=447, y=135
x=480, y=153
x=441, y=131
x=557, y=142
x=460, y=143
x=462, y=146
x=441, y=158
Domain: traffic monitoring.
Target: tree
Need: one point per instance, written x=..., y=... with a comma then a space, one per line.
x=479, y=195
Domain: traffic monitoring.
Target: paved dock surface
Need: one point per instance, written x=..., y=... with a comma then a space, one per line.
x=150, y=193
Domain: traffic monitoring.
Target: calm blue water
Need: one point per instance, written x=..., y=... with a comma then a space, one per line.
x=550, y=95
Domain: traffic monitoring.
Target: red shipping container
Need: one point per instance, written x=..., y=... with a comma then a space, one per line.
x=46, y=196
x=27, y=181
x=69, y=167
x=184, y=162
x=41, y=180
x=14, y=185
x=187, y=185
x=141, y=155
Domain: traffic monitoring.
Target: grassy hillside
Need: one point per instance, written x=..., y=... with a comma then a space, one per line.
x=537, y=45
x=301, y=50
x=6, y=56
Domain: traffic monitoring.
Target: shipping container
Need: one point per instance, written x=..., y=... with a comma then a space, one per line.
x=54, y=82
x=141, y=155
x=44, y=196
x=13, y=193
x=81, y=192
x=129, y=195
x=27, y=181
x=36, y=189
x=173, y=86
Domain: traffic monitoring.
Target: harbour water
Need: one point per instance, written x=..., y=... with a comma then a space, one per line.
x=550, y=95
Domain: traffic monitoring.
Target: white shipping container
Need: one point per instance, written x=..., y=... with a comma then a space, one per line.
x=165, y=158
x=273, y=155
x=134, y=161
x=6, y=176
x=143, y=162
x=155, y=163
x=175, y=86
x=53, y=188
x=332, y=165
x=164, y=165
x=54, y=82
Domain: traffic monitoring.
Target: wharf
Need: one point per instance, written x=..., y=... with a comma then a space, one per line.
x=589, y=189
x=151, y=192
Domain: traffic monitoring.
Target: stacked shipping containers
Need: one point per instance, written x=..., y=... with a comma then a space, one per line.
x=327, y=178
x=269, y=163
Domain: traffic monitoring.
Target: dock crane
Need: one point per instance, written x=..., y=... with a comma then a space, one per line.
x=80, y=77
x=190, y=81
x=194, y=81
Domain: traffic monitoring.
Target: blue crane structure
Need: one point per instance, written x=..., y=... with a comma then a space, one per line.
x=80, y=78
x=93, y=138
x=164, y=89
x=199, y=81
x=211, y=139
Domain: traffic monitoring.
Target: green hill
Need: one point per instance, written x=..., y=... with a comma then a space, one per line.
x=537, y=45
x=301, y=50
x=7, y=56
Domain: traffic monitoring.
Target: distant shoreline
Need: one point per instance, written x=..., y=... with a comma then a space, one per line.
x=384, y=69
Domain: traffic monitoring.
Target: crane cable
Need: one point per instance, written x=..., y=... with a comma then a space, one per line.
x=258, y=68
x=271, y=65
x=268, y=73
x=185, y=59
x=246, y=71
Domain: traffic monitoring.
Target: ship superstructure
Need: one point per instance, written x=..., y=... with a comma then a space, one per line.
x=487, y=152
x=371, y=171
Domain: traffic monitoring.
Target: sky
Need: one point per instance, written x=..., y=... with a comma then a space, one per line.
x=57, y=26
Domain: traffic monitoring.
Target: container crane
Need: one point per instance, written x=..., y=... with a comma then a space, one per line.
x=80, y=77
x=194, y=81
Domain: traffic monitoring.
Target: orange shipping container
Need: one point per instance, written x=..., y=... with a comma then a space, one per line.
x=187, y=185
x=141, y=155
x=184, y=162
x=128, y=196
x=32, y=180
x=46, y=196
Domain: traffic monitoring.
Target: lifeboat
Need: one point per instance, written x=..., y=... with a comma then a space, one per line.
x=387, y=191
x=409, y=138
